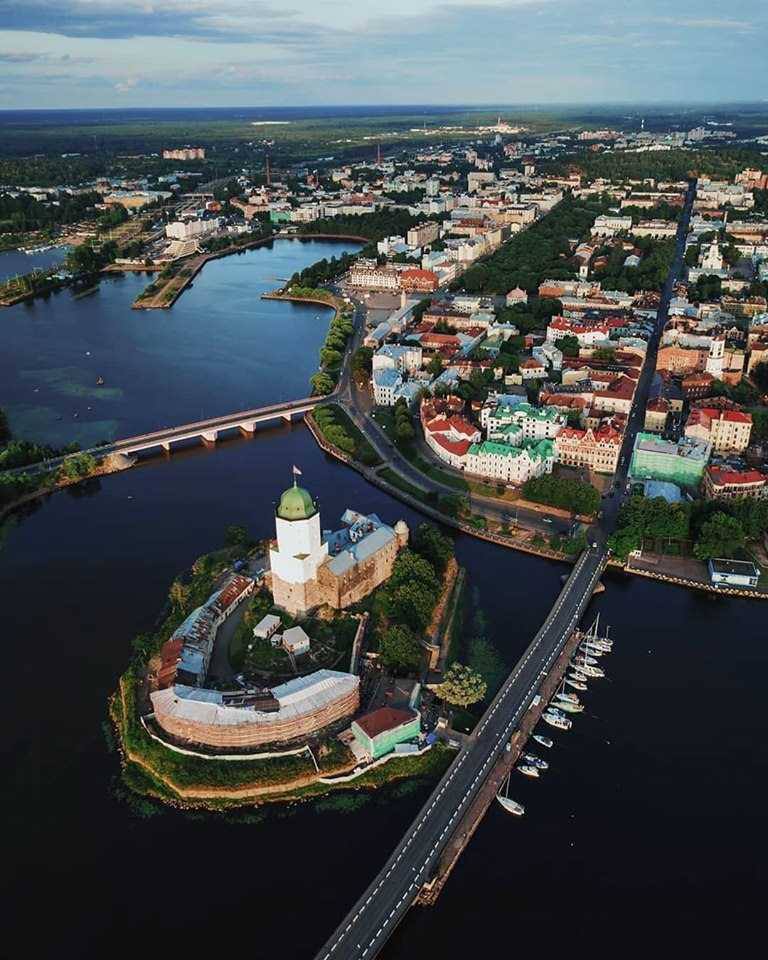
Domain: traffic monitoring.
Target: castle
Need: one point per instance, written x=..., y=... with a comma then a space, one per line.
x=314, y=568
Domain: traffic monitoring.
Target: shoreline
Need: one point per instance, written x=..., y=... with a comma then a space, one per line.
x=502, y=541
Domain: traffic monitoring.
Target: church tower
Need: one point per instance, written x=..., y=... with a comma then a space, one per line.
x=299, y=551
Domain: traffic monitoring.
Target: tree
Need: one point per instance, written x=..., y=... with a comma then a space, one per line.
x=322, y=383
x=435, y=366
x=462, y=686
x=5, y=430
x=720, y=536
x=399, y=650
x=237, y=535
x=78, y=467
x=404, y=432
x=433, y=546
x=569, y=345
x=412, y=568
x=179, y=594
x=760, y=375
x=412, y=603
x=361, y=361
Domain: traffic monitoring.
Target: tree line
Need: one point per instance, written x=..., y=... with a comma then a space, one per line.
x=714, y=528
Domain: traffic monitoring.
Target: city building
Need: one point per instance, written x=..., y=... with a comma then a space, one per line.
x=185, y=153
x=728, y=431
x=721, y=483
x=295, y=641
x=186, y=655
x=596, y=449
x=312, y=568
x=733, y=573
x=379, y=732
x=681, y=463
x=510, y=464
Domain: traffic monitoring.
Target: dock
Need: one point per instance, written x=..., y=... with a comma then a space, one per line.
x=469, y=823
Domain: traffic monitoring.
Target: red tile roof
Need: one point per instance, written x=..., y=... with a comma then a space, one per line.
x=457, y=447
x=383, y=719
x=721, y=477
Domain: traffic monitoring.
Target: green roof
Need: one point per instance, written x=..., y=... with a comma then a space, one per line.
x=296, y=503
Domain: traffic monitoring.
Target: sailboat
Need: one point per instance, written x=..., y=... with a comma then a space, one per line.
x=576, y=684
x=507, y=803
x=547, y=742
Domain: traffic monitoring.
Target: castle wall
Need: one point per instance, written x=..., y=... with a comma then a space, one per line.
x=353, y=586
x=257, y=734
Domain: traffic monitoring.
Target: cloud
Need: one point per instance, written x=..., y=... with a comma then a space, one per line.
x=222, y=20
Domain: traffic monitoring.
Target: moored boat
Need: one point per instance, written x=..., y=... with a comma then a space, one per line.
x=543, y=740
x=558, y=721
x=571, y=707
x=535, y=761
x=528, y=770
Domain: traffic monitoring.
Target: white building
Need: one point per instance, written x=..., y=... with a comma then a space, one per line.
x=405, y=358
x=187, y=229
x=300, y=548
x=295, y=641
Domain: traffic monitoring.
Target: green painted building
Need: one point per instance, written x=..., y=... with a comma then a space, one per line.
x=683, y=463
x=380, y=731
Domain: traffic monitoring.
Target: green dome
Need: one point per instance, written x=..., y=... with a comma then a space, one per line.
x=296, y=504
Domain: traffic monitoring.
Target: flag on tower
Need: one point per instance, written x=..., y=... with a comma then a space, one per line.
x=296, y=471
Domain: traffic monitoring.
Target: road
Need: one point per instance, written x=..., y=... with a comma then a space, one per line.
x=391, y=893
x=357, y=404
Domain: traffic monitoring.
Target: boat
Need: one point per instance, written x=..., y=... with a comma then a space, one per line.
x=576, y=684
x=578, y=676
x=572, y=707
x=99, y=381
x=544, y=741
x=528, y=770
x=591, y=671
x=535, y=761
x=557, y=721
x=583, y=658
x=564, y=695
x=507, y=803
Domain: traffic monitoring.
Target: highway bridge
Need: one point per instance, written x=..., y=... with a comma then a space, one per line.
x=206, y=430
x=372, y=919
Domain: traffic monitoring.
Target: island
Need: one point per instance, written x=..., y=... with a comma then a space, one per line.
x=285, y=669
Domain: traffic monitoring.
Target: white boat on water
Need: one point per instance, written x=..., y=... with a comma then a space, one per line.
x=535, y=761
x=576, y=684
x=507, y=803
x=565, y=695
x=558, y=721
x=544, y=741
x=590, y=670
x=528, y=770
x=571, y=707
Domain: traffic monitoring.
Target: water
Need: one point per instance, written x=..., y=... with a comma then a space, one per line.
x=658, y=787
x=219, y=349
x=649, y=823
x=15, y=262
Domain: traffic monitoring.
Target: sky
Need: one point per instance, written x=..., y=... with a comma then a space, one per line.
x=165, y=53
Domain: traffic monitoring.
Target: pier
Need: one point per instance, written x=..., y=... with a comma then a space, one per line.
x=469, y=823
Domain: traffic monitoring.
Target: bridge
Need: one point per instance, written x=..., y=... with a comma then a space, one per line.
x=209, y=430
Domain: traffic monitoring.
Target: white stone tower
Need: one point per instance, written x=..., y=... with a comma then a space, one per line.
x=299, y=552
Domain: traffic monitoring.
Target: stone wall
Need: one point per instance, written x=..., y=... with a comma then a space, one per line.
x=255, y=734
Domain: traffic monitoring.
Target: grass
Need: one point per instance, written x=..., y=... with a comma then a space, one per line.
x=330, y=419
x=397, y=481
